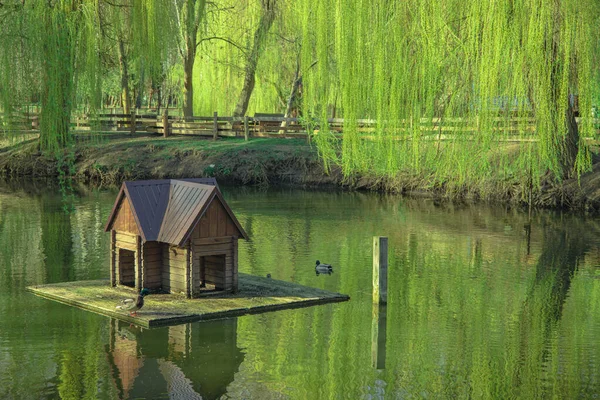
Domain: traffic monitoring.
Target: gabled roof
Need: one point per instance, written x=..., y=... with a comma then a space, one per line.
x=168, y=210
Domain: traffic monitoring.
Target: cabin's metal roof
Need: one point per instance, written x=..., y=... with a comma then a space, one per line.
x=167, y=210
x=186, y=201
x=149, y=200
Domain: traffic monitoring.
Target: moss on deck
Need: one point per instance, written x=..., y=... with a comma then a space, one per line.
x=255, y=295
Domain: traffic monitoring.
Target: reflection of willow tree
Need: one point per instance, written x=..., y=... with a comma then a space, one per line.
x=80, y=366
x=57, y=241
x=470, y=330
x=19, y=267
x=468, y=312
x=563, y=248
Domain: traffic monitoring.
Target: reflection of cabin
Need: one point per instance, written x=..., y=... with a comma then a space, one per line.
x=178, y=235
x=191, y=361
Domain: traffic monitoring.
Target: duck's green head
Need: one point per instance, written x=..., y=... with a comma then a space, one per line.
x=144, y=292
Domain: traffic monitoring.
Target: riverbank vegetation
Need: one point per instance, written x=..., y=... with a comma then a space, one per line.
x=272, y=161
x=524, y=74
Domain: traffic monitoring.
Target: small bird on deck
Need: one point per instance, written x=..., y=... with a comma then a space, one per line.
x=323, y=268
x=133, y=305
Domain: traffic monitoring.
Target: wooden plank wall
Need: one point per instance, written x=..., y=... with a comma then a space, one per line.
x=125, y=221
x=174, y=268
x=215, y=223
x=152, y=258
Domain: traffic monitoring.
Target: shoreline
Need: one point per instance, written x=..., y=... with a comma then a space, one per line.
x=267, y=162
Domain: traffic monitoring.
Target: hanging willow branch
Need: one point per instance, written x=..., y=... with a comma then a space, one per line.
x=486, y=62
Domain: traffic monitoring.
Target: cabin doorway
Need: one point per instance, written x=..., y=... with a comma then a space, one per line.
x=126, y=266
x=212, y=272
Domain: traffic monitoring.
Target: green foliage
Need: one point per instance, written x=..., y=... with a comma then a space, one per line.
x=402, y=64
x=399, y=62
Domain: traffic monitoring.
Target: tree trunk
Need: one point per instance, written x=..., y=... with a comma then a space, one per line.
x=291, y=99
x=158, y=100
x=260, y=36
x=244, y=99
x=571, y=144
x=188, y=87
x=192, y=13
x=125, y=95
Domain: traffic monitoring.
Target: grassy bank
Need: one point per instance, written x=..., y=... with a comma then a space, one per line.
x=268, y=162
x=110, y=161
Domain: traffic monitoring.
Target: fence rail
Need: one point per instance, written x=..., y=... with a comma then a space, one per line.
x=517, y=129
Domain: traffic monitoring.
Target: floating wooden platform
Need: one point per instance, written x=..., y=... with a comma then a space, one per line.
x=255, y=295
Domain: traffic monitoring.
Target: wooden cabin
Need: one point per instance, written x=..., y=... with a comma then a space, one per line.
x=174, y=236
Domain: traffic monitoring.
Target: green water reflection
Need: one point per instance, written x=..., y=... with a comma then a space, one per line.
x=483, y=303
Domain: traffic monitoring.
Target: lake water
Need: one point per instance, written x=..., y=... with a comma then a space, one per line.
x=482, y=303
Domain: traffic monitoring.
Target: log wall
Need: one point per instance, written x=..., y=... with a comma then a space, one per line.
x=173, y=275
x=152, y=256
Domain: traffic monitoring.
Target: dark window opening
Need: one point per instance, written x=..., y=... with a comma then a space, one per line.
x=212, y=272
x=126, y=267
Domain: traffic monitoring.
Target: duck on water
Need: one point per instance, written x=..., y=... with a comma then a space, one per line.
x=323, y=268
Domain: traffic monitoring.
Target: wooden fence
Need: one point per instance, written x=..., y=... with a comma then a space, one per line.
x=267, y=125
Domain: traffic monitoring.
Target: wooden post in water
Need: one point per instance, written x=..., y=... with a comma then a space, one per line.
x=215, y=126
x=166, y=123
x=380, y=269
x=379, y=335
x=246, y=128
x=379, y=321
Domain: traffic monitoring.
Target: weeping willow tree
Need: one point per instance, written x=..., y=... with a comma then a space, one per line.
x=59, y=52
x=416, y=63
x=53, y=43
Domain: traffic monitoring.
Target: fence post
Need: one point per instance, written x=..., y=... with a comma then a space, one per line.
x=380, y=269
x=132, y=122
x=166, y=123
x=215, y=126
x=246, y=128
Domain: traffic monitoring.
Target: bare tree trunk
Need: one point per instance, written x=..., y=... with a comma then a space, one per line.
x=192, y=14
x=292, y=98
x=139, y=93
x=293, y=94
x=125, y=95
x=571, y=144
x=188, y=87
x=260, y=36
x=158, y=100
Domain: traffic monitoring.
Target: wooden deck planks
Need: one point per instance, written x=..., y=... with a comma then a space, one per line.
x=256, y=295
